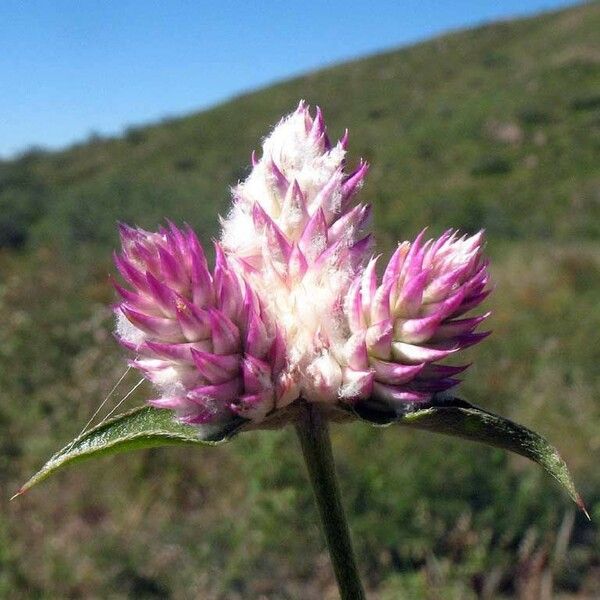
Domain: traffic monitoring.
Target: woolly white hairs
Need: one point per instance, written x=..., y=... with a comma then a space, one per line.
x=127, y=331
x=298, y=157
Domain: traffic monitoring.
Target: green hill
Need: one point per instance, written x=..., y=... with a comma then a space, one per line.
x=496, y=127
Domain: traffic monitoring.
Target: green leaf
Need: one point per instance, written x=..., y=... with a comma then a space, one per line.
x=456, y=417
x=143, y=427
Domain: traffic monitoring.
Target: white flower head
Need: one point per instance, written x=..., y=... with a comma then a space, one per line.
x=300, y=240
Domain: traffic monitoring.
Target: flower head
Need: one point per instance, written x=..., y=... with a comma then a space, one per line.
x=404, y=326
x=200, y=337
x=297, y=236
x=293, y=308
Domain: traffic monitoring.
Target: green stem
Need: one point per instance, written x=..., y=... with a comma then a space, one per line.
x=313, y=431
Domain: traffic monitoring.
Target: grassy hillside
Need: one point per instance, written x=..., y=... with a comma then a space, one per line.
x=498, y=127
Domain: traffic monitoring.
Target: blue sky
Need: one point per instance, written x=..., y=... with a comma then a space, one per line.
x=69, y=68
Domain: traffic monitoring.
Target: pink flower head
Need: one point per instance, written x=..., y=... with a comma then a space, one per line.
x=298, y=237
x=403, y=327
x=293, y=308
x=200, y=337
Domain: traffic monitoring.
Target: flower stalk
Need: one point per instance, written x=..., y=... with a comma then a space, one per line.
x=313, y=431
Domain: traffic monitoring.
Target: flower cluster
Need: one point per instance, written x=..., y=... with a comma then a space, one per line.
x=292, y=308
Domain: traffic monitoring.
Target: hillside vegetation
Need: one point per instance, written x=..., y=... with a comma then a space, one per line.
x=496, y=127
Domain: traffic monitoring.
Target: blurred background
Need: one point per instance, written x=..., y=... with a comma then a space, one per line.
x=496, y=125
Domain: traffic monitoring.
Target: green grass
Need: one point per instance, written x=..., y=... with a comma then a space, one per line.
x=498, y=127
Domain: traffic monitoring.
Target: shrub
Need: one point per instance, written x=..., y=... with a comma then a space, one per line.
x=491, y=165
x=590, y=102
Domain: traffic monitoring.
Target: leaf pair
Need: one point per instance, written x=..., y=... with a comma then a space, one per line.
x=148, y=427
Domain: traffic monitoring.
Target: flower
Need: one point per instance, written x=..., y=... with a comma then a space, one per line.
x=297, y=236
x=293, y=309
x=403, y=327
x=200, y=337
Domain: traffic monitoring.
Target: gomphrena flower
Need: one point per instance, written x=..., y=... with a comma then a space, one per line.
x=297, y=236
x=200, y=337
x=293, y=309
x=404, y=326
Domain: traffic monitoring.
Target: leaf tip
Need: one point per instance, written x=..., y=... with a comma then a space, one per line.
x=18, y=493
x=582, y=508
